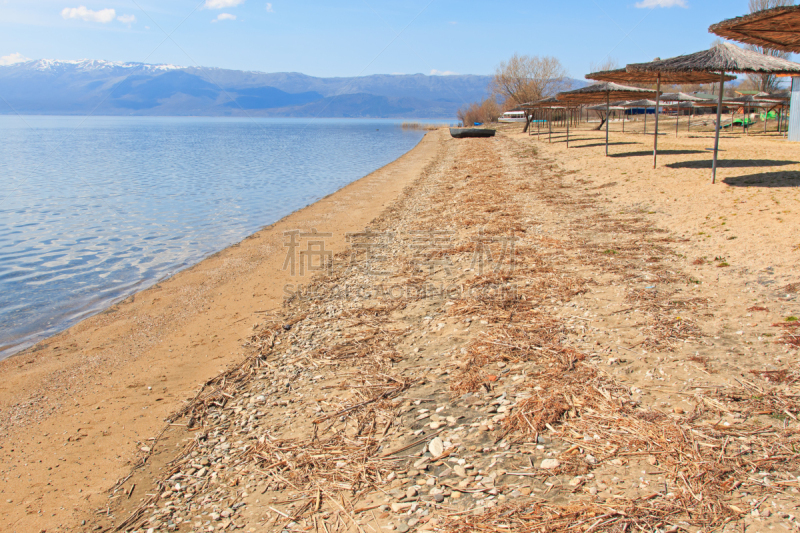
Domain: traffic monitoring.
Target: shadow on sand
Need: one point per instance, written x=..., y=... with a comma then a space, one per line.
x=603, y=144
x=731, y=163
x=660, y=152
x=786, y=178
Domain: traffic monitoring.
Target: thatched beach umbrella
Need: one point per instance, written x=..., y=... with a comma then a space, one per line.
x=777, y=28
x=600, y=92
x=722, y=58
x=656, y=77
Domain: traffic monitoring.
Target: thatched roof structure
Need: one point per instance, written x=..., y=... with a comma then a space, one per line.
x=551, y=102
x=601, y=92
x=777, y=28
x=640, y=103
x=680, y=97
x=724, y=57
x=754, y=101
x=603, y=107
x=623, y=75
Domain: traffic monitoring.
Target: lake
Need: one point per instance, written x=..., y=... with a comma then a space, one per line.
x=95, y=209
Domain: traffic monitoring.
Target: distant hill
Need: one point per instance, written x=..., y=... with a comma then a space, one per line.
x=107, y=88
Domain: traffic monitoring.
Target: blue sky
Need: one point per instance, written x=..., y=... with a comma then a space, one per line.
x=358, y=37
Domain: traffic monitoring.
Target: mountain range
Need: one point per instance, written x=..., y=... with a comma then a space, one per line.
x=108, y=88
x=99, y=87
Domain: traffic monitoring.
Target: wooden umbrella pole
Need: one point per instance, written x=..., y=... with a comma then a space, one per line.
x=691, y=112
x=677, y=117
x=655, y=137
x=549, y=125
x=569, y=116
x=719, y=119
x=608, y=104
x=746, y=121
x=645, y=120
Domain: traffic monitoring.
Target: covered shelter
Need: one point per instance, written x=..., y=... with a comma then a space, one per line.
x=545, y=104
x=602, y=92
x=720, y=59
x=680, y=101
x=656, y=77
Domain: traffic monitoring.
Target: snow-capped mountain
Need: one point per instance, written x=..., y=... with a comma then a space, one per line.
x=85, y=65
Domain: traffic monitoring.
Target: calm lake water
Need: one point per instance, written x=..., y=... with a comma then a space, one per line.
x=92, y=210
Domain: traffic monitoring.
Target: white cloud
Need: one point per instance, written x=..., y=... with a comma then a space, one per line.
x=269, y=8
x=10, y=59
x=435, y=72
x=103, y=16
x=127, y=19
x=224, y=16
x=221, y=4
x=661, y=3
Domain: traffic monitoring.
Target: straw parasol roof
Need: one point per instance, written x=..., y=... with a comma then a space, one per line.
x=724, y=57
x=601, y=92
x=640, y=103
x=777, y=28
x=546, y=102
x=623, y=75
x=603, y=107
x=680, y=97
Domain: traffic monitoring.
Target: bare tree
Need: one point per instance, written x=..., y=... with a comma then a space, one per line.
x=528, y=78
x=482, y=112
x=767, y=83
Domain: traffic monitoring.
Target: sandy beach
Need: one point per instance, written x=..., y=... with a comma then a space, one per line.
x=510, y=333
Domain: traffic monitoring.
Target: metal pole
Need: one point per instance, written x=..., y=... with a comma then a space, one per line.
x=608, y=104
x=719, y=119
x=658, y=101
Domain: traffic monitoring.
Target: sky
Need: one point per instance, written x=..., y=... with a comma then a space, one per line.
x=359, y=37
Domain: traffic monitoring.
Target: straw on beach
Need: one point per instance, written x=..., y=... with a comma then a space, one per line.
x=656, y=76
x=599, y=92
x=722, y=58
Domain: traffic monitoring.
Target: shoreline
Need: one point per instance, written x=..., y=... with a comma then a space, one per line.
x=77, y=390
x=42, y=321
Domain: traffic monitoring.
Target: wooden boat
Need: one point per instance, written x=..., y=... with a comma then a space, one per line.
x=463, y=133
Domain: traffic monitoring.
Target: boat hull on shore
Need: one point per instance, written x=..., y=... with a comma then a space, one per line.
x=463, y=133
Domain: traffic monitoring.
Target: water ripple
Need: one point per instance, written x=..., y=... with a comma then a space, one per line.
x=92, y=210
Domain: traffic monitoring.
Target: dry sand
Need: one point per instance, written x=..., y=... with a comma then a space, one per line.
x=635, y=375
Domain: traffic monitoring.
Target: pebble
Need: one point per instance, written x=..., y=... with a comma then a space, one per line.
x=413, y=522
x=436, y=447
x=591, y=459
x=402, y=527
x=549, y=464
x=398, y=507
x=460, y=471
x=412, y=492
x=438, y=498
